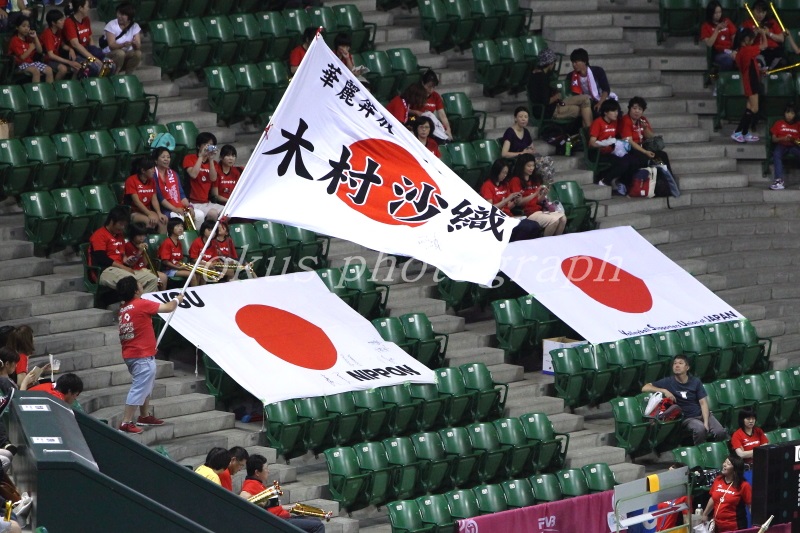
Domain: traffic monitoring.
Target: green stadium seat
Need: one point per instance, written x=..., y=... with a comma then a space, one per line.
x=490, y=23
x=511, y=51
x=401, y=455
x=51, y=167
x=376, y=414
x=495, y=460
x=320, y=17
x=465, y=22
x=276, y=78
x=664, y=435
x=631, y=429
x=599, y=477
x=492, y=395
x=434, y=464
x=253, y=93
x=279, y=251
x=723, y=413
x=321, y=424
x=545, y=324
x=581, y=213
x=704, y=360
x=630, y=373
x=312, y=249
x=107, y=161
x=465, y=164
x=225, y=44
x=246, y=30
x=491, y=499
x=109, y=110
x=714, y=454
x=754, y=389
x=79, y=111
x=248, y=247
x=185, y=133
x=224, y=97
x=466, y=460
x=332, y=278
x=591, y=156
x=405, y=517
x=199, y=54
x=466, y=124
x=14, y=109
x=404, y=65
x=150, y=131
x=77, y=220
x=42, y=223
x=349, y=20
x=644, y=349
x=169, y=10
x=545, y=488
x=718, y=337
x=371, y=457
x=553, y=445
x=139, y=107
x=779, y=386
x=348, y=484
x=168, y=49
x=407, y=410
x=515, y=20
x=285, y=431
x=383, y=81
x=130, y=146
x=434, y=406
x=523, y=452
x=272, y=26
x=372, y=296
x=487, y=151
x=518, y=493
x=572, y=482
x=752, y=351
x=100, y=200
x=81, y=167
x=16, y=172
x=437, y=27
x=462, y=503
x=49, y=114
x=348, y=427
x=571, y=379
x=297, y=20
x=532, y=45
x=689, y=455
x=436, y=511
x=731, y=100
x=391, y=330
x=601, y=378
x=492, y=71
x=450, y=382
x=457, y=294
x=512, y=330
x=677, y=18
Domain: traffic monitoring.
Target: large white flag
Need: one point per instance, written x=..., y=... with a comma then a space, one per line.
x=611, y=284
x=333, y=160
x=288, y=336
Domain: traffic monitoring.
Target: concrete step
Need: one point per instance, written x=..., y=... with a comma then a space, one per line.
x=542, y=404
x=429, y=306
x=78, y=320
x=597, y=47
x=25, y=267
x=610, y=33
x=681, y=167
x=610, y=455
x=114, y=396
x=184, y=426
x=713, y=180
x=181, y=448
x=585, y=18
x=164, y=408
x=14, y=249
x=19, y=288
x=97, y=378
x=506, y=373
x=447, y=324
x=485, y=355
x=627, y=472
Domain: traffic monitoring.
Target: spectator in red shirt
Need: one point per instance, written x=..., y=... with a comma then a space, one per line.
x=136, y=254
x=107, y=250
x=21, y=341
x=239, y=457
x=496, y=189
x=434, y=103
x=403, y=105
x=227, y=175
x=748, y=437
x=138, y=340
x=533, y=200
x=24, y=46
x=603, y=136
x=170, y=191
x=202, y=171
x=256, y=483
x=209, y=259
x=299, y=52
x=78, y=34
x=771, y=30
x=60, y=56
x=635, y=128
x=731, y=497
x=171, y=255
x=785, y=138
x=422, y=128
x=749, y=47
x=718, y=32
x=140, y=194
x=67, y=388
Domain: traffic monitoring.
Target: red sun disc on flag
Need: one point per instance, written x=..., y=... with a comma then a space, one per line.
x=407, y=194
x=287, y=336
x=608, y=284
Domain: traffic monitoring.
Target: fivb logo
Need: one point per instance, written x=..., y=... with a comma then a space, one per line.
x=547, y=523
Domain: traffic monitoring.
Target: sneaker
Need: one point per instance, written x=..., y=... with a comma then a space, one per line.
x=738, y=137
x=777, y=185
x=603, y=183
x=129, y=427
x=149, y=420
x=621, y=189
x=750, y=138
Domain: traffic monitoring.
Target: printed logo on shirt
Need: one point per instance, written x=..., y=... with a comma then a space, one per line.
x=683, y=394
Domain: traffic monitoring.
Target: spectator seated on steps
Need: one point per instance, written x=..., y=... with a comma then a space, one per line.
x=589, y=80
x=124, y=39
x=540, y=92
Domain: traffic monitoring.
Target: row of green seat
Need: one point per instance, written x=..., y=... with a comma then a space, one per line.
x=640, y=435
x=522, y=324
x=506, y=63
x=594, y=374
x=356, y=285
x=188, y=44
x=455, y=23
x=413, y=333
x=461, y=395
x=39, y=163
x=147, y=10
x=370, y=473
x=71, y=105
x=246, y=90
x=437, y=512
x=782, y=88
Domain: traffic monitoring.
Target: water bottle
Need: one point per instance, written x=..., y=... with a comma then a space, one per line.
x=568, y=148
x=699, y=511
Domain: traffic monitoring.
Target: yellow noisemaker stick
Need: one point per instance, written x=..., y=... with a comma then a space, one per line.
x=775, y=12
x=783, y=68
x=750, y=12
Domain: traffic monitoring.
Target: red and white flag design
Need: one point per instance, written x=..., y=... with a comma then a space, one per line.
x=611, y=284
x=283, y=337
x=333, y=160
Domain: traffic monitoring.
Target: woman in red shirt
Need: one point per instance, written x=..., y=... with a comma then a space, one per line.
x=78, y=34
x=534, y=196
x=405, y=104
x=140, y=194
x=718, y=33
x=603, y=136
x=422, y=131
x=171, y=255
x=227, y=175
x=24, y=46
x=496, y=189
x=747, y=438
x=21, y=341
x=730, y=497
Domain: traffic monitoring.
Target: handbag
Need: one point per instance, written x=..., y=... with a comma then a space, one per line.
x=6, y=129
x=654, y=144
x=705, y=527
x=643, y=184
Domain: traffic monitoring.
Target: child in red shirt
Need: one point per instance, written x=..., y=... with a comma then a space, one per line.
x=785, y=138
x=227, y=175
x=603, y=136
x=60, y=55
x=746, y=59
x=171, y=254
x=24, y=46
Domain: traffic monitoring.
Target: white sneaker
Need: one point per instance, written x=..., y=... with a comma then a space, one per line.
x=750, y=138
x=777, y=185
x=738, y=137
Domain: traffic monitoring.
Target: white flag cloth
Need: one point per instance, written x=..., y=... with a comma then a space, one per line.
x=610, y=284
x=334, y=161
x=285, y=337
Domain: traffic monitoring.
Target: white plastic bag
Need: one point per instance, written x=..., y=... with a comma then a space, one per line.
x=653, y=403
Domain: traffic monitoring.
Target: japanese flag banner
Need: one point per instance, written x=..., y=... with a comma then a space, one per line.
x=610, y=284
x=334, y=161
x=287, y=336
